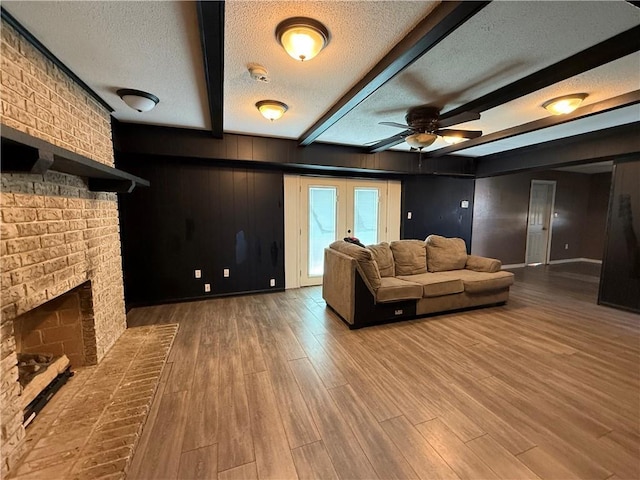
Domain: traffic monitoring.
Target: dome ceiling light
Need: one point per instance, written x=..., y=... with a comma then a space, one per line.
x=271, y=109
x=565, y=104
x=137, y=99
x=301, y=37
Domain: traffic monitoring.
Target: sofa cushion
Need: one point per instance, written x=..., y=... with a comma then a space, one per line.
x=384, y=258
x=436, y=284
x=364, y=258
x=410, y=257
x=393, y=289
x=445, y=253
x=480, y=282
x=483, y=264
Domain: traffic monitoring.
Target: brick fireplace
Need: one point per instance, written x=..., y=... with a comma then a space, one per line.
x=56, y=236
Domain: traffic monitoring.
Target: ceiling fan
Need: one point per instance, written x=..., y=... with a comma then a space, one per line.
x=425, y=125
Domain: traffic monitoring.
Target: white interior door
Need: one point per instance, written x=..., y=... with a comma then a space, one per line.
x=541, y=201
x=333, y=208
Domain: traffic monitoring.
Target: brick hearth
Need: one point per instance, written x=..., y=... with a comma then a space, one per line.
x=90, y=429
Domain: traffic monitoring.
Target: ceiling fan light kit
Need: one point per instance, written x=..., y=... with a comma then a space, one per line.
x=425, y=124
x=301, y=37
x=137, y=99
x=565, y=104
x=271, y=109
x=451, y=140
x=421, y=140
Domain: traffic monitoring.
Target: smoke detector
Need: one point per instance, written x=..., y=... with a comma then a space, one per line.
x=259, y=73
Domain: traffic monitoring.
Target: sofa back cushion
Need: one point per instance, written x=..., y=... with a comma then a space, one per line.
x=445, y=253
x=384, y=258
x=410, y=257
x=365, y=260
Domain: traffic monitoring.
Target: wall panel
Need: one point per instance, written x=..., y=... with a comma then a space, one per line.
x=620, y=278
x=198, y=216
x=435, y=206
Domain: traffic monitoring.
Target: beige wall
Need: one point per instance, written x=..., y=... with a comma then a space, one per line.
x=54, y=234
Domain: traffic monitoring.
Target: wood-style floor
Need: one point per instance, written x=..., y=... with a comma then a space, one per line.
x=275, y=386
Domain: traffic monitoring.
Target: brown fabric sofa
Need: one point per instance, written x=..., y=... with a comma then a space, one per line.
x=408, y=279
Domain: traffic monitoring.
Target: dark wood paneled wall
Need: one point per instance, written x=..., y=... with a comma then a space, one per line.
x=594, y=229
x=279, y=153
x=435, y=206
x=198, y=216
x=502, y=206
x=620, y=278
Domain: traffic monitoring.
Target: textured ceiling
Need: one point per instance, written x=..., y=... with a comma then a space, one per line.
x=502, y=43
x=150, y=46
x=155, y=46
x=361, y=33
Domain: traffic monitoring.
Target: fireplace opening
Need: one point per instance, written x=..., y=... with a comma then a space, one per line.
x=51, y=340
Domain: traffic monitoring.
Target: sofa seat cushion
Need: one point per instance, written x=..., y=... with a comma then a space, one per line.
x=384, y=258
x=364, y=258
x=410, y=257
x=444, y=254
x=393, y=289
x=436, y=284
x=480, y=282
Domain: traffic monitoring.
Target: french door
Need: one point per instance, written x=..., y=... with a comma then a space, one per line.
x=332, y=209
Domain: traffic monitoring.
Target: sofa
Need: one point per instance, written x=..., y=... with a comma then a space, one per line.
x=409, y=278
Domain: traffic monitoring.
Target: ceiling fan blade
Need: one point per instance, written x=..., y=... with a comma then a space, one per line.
x=452, y=132
x=394, y=124
x=448, y=121
x=388, y=142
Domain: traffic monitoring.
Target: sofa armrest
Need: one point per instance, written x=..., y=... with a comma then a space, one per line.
x=338, y=283
x=483, y=264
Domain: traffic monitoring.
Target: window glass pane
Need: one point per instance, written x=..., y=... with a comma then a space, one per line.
x=322, y=226
x=365, y=215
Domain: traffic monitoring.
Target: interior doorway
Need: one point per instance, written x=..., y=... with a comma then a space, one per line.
x=539, y=222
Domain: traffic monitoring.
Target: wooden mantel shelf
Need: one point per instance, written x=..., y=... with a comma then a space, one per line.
x=23, y=153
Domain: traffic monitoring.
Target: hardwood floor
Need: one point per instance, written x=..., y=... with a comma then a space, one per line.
x=276, y=386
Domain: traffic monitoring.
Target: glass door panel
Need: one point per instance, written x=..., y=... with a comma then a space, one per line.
x=365, y=214
x=322, y=226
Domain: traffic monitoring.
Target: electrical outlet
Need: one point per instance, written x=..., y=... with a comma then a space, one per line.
x=225, y=273
x=566, y=246
x=408, y=215
x=207, y=287
x=272, y=282
x=198, y=273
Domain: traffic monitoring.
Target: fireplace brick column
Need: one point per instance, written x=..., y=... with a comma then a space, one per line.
x=54, y=233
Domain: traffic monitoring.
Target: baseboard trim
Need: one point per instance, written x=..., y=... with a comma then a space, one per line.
x=514, y=265
x=555, y=262
x=575, y=260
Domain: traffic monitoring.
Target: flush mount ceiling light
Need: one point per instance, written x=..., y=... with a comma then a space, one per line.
x=137, y=99
x=421, y=140
x=565, y=104
x=271, y=109
x=302, y=37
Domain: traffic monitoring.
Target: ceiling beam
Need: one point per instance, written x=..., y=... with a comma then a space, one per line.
x=607, y=144
x=608, y=105
x=616, y=47
x=211, y=23
x=443, y=20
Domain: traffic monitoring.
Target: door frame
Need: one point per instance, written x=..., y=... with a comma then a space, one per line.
x=552, y=183
x=293, y=216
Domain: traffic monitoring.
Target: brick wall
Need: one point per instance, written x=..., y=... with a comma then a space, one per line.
x=54, y=233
